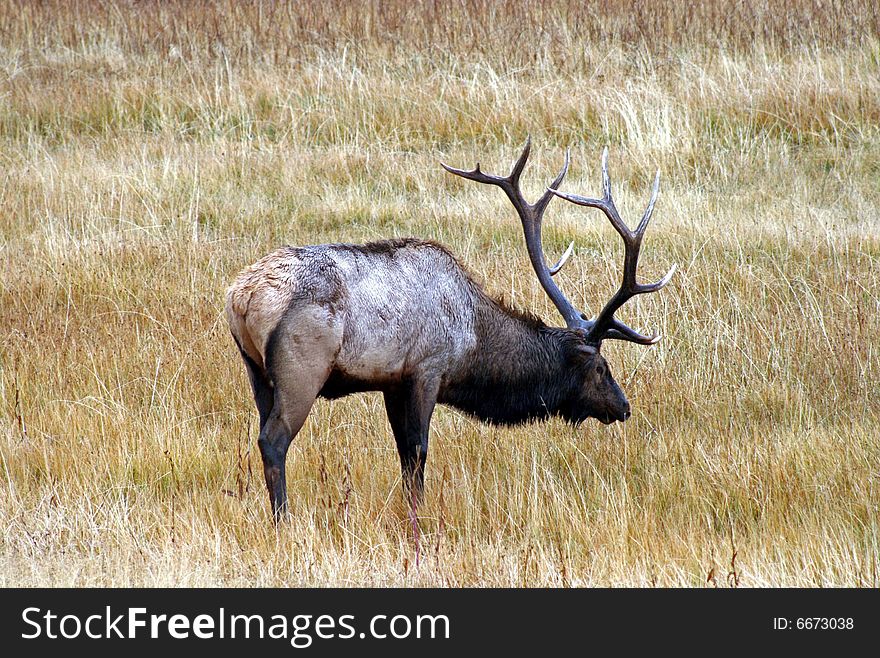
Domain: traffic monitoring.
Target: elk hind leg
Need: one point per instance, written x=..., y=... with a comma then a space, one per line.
x=298, y=370
x=260, y=385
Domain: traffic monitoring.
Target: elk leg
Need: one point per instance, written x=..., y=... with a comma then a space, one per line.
x=275, y=438
x=261, y=387
x=409, y=409
x=298, y=369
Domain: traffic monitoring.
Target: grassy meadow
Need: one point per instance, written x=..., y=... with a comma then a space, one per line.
x=149, y=151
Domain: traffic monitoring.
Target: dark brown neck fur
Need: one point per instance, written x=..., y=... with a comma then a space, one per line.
x=520, y=369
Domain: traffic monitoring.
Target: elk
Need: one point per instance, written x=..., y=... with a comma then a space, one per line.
x=405, y=318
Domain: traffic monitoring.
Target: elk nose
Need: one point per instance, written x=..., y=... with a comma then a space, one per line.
x=626, y=412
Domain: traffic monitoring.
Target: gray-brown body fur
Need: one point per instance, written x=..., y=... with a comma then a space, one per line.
x=385, y=310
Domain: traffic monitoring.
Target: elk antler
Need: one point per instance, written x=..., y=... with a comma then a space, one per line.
x=531, y=216
x=605, y=325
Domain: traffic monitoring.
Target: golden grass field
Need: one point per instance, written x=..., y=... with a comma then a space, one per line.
x=150, y=151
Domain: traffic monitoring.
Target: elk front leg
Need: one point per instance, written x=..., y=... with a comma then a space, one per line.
x=409, y=409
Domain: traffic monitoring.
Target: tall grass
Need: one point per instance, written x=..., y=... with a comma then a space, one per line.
x=151, y=150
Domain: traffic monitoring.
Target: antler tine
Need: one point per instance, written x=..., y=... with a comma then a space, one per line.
x=619, y=331
x=554, y=269
x=605, y=325
x=520, y=163
x=643, y=224
x=606, y=179
x=541, y=203
x=531, y=216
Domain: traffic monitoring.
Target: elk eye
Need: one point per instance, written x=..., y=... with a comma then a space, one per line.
x=600, y=370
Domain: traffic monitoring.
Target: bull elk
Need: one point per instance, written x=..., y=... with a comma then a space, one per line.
x=404, y=317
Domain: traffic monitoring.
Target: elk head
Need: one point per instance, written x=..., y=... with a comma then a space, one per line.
x=598, y=394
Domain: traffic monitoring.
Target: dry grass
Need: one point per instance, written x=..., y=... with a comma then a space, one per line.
x=150, y=151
